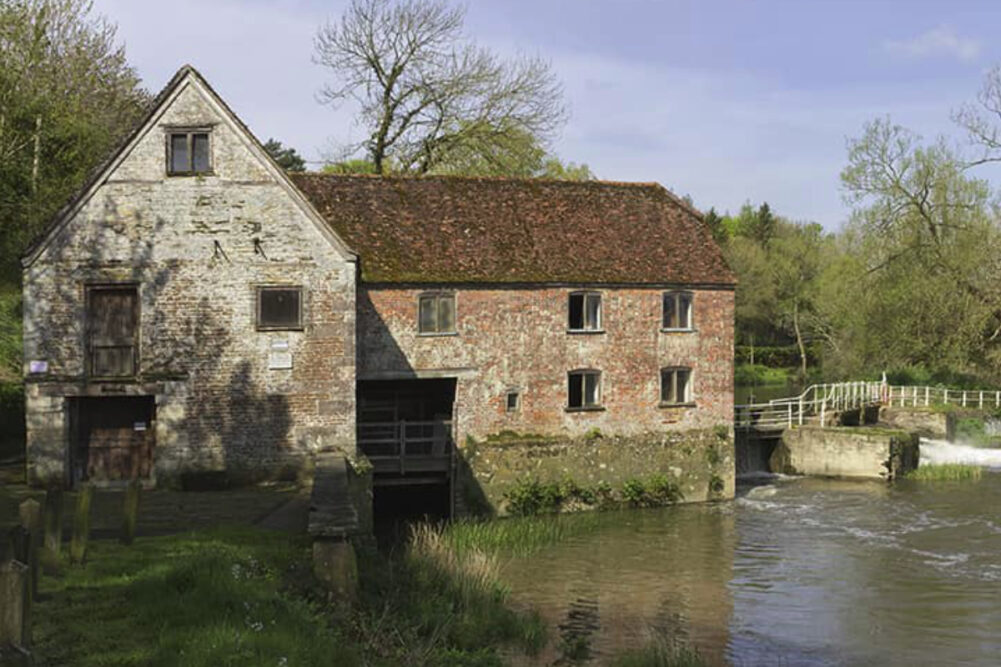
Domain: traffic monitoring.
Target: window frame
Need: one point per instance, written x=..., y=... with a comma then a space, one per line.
x=171, y=132
x=598, y=327
x=438, y=296
x=583, y=373
x=259, y=290
x=689, y=398
x=677, y=295
x=517, y=400
x=89, y=289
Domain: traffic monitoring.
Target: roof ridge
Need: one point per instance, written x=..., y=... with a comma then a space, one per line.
x=487, y=179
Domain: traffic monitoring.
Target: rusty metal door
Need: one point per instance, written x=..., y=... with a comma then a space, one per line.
x=116, y=438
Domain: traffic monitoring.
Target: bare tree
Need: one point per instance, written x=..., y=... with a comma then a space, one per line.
x=427, y=94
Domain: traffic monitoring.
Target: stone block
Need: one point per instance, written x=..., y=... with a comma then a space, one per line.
x=336, y=567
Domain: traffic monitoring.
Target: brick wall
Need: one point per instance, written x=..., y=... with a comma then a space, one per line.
x=518, y=339
x=189, y=243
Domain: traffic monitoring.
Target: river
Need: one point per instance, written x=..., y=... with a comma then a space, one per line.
x=795, y=571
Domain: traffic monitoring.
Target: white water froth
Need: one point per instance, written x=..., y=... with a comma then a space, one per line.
x=935, y=452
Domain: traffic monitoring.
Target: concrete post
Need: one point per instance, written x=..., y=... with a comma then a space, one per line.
x=53, y=517
x=31, y=521
x=336, y=566
x=15, y=604
x=81, y=524
x=131, y=517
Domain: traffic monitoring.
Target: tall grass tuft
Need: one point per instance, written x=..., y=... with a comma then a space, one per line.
x=661, y=652
x=518, y=536
x=946, y=472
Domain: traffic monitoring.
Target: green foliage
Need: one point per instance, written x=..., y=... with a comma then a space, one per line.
x=357, y=166
x=757, y=374
x=11, y=419
x=946, y=472
x=286, y=156
x=529, y=497
x=67, y=96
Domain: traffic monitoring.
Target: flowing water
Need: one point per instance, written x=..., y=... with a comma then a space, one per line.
x=794, y=572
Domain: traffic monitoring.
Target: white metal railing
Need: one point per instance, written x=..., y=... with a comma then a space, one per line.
x=816, y=401
x=812, y=405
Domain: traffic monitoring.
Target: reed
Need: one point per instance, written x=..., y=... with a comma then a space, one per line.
x=518, y=536
x=946, y=472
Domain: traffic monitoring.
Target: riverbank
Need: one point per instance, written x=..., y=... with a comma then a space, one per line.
x=246, y=596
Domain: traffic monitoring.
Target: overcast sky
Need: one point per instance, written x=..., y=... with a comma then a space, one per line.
x=724, y=101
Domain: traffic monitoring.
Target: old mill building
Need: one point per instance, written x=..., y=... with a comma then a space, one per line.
x=195, y=311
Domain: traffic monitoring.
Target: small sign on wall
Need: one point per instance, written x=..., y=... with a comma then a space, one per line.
x=139, y=426
x=279, y=361
x=37, y=366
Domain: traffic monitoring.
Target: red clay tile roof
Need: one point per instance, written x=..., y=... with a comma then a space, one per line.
x=487, y=230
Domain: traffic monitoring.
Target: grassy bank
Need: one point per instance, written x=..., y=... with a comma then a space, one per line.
x=757, y=374
x=213, y=598
x=247, y=597
x=951, y=472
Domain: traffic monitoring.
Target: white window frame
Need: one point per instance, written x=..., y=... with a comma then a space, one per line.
x=586, y=327
x=677, y=296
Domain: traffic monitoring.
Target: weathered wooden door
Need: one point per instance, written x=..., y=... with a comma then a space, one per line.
x=112, y=329
x=116, y=438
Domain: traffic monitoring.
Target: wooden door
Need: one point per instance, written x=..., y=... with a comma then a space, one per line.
x=116, y=438
x=112, y=330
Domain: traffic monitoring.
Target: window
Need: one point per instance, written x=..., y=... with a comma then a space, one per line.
x=675, y=386
x=436, y=314
x=584, y=389
x=188, y=153
x=279, y=307
x=677, y=310
x=112, y=330
x=513, y=400
x=585, y=311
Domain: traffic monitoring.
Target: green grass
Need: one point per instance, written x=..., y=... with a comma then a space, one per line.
x=213, y=598
x=951, y=472
x=518, y=536
x=247, y=597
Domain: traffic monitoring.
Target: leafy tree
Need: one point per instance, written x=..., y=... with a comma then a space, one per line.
x=359, y=166
x=715, y=224
x=430, y=99
x=286, y=156
x=67, y=96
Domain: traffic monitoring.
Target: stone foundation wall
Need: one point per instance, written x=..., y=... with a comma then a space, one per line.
x=700, y=462
x=863, y=452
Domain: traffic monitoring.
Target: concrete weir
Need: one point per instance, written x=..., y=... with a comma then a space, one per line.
x=847, y=451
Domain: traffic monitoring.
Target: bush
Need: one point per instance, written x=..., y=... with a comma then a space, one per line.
x=776, y=356
x=529, y=497
x=747, y=374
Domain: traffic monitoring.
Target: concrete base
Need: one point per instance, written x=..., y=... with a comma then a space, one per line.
x=861, y=452
x=336, y=566
x=926, y=422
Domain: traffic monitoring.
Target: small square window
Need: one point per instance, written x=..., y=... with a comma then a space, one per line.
x=436, y=314
x=279, y=307
x=675, y=385
x=583, y=389
x=677, y=310
x=189, y=153
x=513, y=401
x=584, y=311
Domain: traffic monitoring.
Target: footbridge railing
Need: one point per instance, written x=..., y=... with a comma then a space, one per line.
x=820, y=400
x=811, y=406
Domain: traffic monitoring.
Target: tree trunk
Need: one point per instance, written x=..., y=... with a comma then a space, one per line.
x=36, y=158
x=799, y=341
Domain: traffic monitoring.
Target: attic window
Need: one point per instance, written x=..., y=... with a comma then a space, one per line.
x=584, y=312
x=188, y=153
x=677, y=311
x=436, y=314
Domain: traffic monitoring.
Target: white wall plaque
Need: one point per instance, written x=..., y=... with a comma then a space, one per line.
x=38, y=367
x=279, y=345
x=280, y=360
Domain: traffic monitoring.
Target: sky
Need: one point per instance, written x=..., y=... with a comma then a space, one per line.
x=727, y=102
